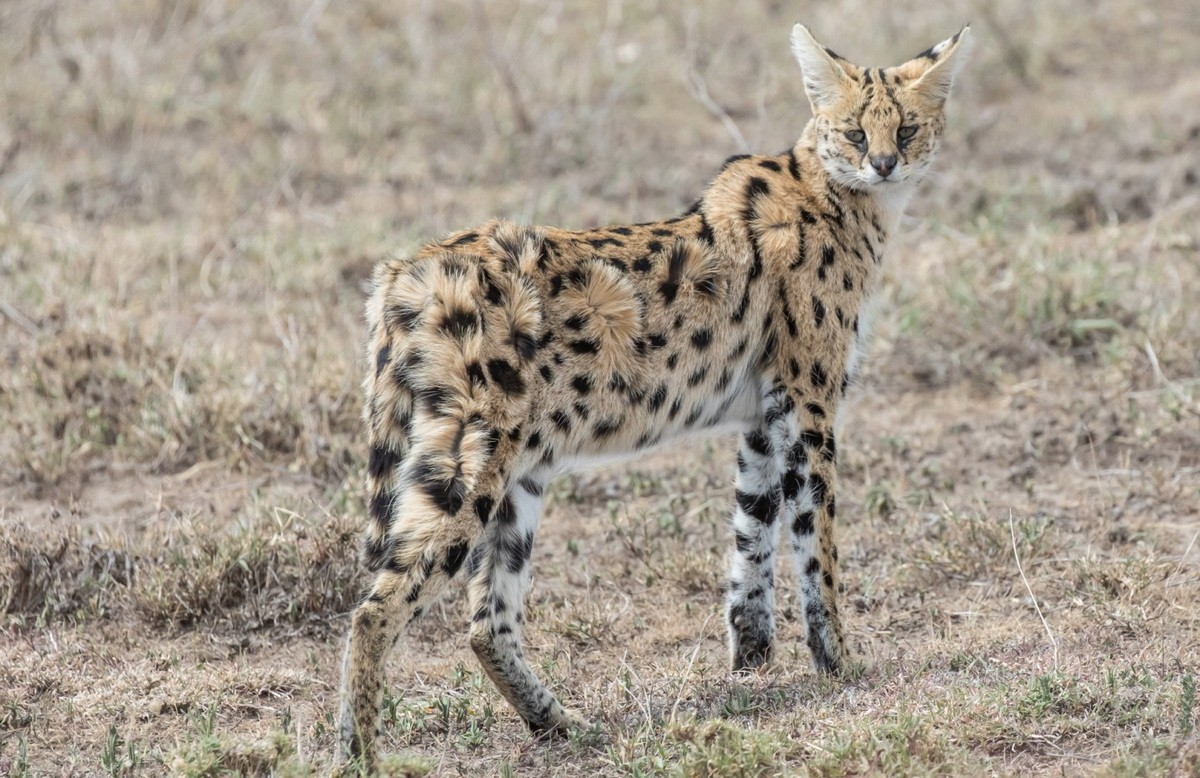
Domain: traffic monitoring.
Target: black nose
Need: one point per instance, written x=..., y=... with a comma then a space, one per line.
x=884, y=164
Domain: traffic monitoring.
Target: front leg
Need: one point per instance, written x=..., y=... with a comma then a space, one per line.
x=750, y=608
x=811, y=507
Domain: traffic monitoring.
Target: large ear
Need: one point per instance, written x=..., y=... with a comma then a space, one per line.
x=936, y=68
x=824, y=79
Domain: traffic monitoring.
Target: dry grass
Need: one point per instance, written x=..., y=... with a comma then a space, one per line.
x=192, y=194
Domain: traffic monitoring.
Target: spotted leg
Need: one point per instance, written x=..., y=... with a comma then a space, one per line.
x=436, y=525
x=810, y=513
x=500, y=573
x=750, y=608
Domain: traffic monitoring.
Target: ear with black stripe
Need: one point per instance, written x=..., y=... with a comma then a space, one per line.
x=825, y=77
x=932, y=72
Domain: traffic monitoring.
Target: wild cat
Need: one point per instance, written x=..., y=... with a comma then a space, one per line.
x=504, y=355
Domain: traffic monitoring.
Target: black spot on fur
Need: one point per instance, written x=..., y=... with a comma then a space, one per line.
x=446, y=493
x=600, y=243
x=816, y=483
x=758, y=443
x=401, y=317
x=698, y=376
x=475, y=374
x=658, y=398
x=803, y=523
x=455, y=556
x=582, y=384
x=517, y=552
x=381, y=509
x=786, y=307
x=524, y=344
x=817, y=375
x=460, y=323
x=561, y=420
x=584, y=346
x=761, y=507
x=812, y=439
x=770, y=164
x=381, y=359
x=702, y=339
x=818, y=311
x=483, y=508
x=740, y=313
x=468, y=237
x=532, y=486
x=641, y=265
x=506, y=377
x=547, y=373
x=504, y=512
x=792, y=482
x=658, y=340
x=492, y=294
x=828, y=256
x=382, y=461
x=606, y=428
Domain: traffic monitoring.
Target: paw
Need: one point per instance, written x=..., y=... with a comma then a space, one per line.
x=836, y=661
x=752, y=653
x=561, y=721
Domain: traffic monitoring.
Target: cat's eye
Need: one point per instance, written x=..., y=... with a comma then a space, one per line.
x=904, y=133
x=857, y=137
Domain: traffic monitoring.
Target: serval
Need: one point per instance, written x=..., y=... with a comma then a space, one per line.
x=503, y=355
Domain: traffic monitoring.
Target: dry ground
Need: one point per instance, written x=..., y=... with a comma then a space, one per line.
x=192, y=194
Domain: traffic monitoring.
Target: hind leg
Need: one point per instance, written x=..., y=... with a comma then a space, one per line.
x=374, y=628
x=436, y=527
x=500, y=573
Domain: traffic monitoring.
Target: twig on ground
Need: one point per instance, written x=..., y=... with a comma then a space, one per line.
x=1171, y=386
x=1178, y=567
x=19, y=319
x=688, y=672
x=1049, y=634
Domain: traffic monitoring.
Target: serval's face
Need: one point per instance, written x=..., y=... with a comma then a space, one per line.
x=878, y=127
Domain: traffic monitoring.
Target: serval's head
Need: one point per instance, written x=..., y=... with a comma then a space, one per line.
x=878, y=127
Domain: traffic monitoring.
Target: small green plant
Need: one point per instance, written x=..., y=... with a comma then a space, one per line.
x=20, y=765
x=119, y=757
x=1187, y=702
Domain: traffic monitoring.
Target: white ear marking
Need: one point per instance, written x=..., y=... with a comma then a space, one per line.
x=824, y=79
x=949, y=56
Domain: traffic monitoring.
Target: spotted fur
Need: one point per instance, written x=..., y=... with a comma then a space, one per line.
x=503, y=355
